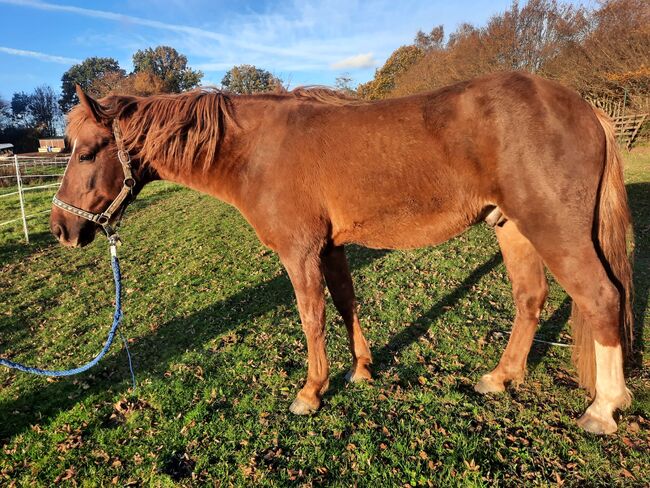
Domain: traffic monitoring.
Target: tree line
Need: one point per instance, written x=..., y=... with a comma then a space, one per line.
x=601, y=52
x=40, y=114
x=28, y=117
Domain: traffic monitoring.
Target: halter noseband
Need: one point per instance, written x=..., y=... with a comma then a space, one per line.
x=116, y=207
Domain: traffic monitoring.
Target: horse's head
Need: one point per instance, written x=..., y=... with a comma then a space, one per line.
x=94, y=176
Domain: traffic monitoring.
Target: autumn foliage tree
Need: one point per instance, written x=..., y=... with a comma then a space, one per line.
x=167, y=65
x=155, y=70
x=522, y=38
x=614, y=57
x=384, y=81
x=598, y=52
x=141, y=84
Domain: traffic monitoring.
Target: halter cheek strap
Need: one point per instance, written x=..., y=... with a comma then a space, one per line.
x=117, y=206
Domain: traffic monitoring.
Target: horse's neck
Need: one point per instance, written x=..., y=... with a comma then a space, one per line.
x=214, y=181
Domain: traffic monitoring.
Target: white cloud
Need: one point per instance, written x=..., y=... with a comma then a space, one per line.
x=129, y=19
x=301, y=35
x=41, y=56
x=305, y=39
x=216, y=66
x=359, y=61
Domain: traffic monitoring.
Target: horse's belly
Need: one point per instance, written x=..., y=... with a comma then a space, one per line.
x=391, y=231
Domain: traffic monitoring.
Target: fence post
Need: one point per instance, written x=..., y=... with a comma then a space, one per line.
x=20, y=196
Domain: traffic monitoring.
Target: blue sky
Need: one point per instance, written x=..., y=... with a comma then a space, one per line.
x=302, y=41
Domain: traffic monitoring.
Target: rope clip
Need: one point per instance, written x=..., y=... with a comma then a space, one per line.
x=114, y=241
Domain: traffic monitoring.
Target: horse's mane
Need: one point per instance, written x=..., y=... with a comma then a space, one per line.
x=184, y=130
x=324, y=95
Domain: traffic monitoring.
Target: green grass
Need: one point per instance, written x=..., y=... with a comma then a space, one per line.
x=219, y=355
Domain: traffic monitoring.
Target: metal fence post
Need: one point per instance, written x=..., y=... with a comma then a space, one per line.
x=20, y=196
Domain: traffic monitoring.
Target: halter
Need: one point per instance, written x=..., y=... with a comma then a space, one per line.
x=106, y=218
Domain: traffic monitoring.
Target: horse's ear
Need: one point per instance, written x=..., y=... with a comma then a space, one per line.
x=94, y=109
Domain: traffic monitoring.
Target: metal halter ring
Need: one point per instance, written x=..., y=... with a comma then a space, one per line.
x=103, y=219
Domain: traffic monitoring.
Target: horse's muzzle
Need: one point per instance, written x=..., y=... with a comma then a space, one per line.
x=73, y=235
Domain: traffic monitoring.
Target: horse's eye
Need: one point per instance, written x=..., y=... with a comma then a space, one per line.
x=86, y=157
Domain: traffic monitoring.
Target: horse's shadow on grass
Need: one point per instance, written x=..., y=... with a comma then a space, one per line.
x=37, y=406
x=639, y=195
x=17, y=414
x=18, y=250
x=419, y=328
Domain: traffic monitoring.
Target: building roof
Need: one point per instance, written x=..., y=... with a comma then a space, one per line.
x=6, y=146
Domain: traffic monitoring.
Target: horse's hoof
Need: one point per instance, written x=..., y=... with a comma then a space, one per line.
x=597, y=425
x=358, y=374
x=301, y=407
x=487, y=384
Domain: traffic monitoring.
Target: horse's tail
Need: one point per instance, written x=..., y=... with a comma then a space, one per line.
x=612, y=235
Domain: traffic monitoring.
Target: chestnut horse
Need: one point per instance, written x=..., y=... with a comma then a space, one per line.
x=312, y=171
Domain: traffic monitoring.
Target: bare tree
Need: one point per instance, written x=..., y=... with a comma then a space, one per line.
x=44, y=108
x=5, y=113
x=344, y=83
x=614, y=58
x=432, y=41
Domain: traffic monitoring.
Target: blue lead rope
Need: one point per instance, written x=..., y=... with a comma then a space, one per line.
x=117, y=320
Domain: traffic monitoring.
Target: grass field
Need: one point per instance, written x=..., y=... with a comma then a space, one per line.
x=219, y=355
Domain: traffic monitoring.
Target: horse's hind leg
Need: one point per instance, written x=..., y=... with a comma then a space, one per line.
x=339, y=283
x=564, y=240
x=529, y=289
x=596, y=318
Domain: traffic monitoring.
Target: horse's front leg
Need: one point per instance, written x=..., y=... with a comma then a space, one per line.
x=339, y=282
x=306, y=276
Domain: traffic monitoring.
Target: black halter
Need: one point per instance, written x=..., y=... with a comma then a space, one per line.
x=112, y=215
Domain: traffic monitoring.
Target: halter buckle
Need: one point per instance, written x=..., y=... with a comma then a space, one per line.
x=124, y=157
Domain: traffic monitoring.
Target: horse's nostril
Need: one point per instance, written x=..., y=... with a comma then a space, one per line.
x=57, y=230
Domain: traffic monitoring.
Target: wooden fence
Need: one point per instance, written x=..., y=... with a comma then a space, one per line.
x=627, y=128
x=628, y=121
